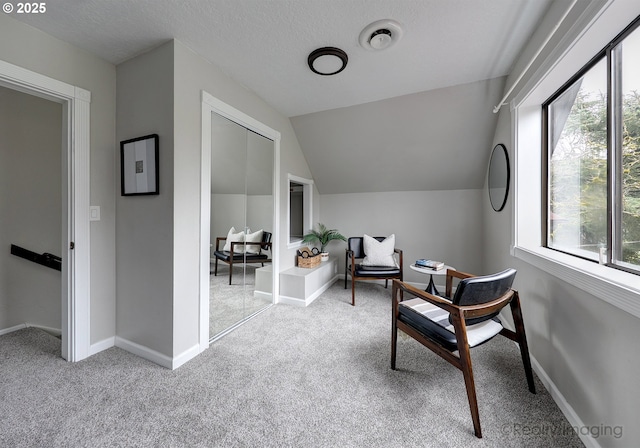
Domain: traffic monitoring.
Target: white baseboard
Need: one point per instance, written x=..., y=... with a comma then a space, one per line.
x=262, y=295
x=57, y=332
x=144, y=352
x=157, y=357
x=102, y=345
x=565, y=407
x=306, y=302
x=12, y=329
x=185, y=356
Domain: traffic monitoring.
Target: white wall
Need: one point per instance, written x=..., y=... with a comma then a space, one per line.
x=30, y=208
x=27, y=47
x=584, y=345
x=144, y=224
x=441, y=225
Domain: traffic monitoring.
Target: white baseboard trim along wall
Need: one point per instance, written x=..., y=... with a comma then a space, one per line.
x=157, y=357
x=578, y=425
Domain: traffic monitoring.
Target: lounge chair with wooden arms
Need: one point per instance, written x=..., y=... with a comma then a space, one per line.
x=451, y=327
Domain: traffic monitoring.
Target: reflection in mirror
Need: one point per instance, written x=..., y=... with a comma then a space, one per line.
x=296, y=215
x=242, y=204
x=259, y=222
x=299, y=208
x=498, y=180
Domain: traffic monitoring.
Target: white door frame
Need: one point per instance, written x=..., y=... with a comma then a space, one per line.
x=212, y=105
x=76, y=104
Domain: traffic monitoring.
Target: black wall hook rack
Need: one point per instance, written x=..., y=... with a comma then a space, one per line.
x=45, y=259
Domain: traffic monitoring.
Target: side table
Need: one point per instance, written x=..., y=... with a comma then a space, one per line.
x=431, y=287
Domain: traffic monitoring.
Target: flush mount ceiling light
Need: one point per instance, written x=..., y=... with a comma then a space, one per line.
x=327, y=61
x=380, y=35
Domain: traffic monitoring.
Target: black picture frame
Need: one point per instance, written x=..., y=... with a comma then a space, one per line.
x=139, y=168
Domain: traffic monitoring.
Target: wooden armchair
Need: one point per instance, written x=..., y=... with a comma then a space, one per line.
x=239, y=254
x=359, y=271
x=449, y=328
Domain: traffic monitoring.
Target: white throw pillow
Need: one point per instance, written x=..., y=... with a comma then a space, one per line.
x=379, y=253
x=233, y=237
x=255, y=237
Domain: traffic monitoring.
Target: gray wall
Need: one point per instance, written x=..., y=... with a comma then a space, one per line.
x=144, y=224
x=158, y=236
x=30, y=208
x=441, y=225
x=584, y=345
x=409, y=143
x=27, y=47
x=192, y=75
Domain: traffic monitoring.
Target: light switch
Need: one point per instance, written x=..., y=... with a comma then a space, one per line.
x=94, y=213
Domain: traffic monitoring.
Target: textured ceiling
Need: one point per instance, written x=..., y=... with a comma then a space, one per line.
x=264, y=44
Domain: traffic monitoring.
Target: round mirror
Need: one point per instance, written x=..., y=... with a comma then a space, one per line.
x=498, y=180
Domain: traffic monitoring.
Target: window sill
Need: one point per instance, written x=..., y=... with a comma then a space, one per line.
x=618, y=288
x=294, y=244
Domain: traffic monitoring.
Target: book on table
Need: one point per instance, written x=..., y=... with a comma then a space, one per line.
x=429, y=264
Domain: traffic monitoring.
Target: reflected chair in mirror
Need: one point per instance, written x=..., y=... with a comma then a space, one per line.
x=382, y=265
x=242, y=252
x=450, y=328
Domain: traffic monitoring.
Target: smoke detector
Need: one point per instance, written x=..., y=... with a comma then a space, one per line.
x=380, y=35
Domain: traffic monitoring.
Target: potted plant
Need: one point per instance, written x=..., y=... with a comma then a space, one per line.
x=323, y=236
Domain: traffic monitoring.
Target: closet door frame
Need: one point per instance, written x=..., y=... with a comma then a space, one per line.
x=211, y=105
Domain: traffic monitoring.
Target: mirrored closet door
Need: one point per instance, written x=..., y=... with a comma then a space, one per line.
x=242, y=204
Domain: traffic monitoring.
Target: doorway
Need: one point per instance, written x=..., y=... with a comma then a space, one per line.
x=240, y=196
x=30, y=211
x=75, y=182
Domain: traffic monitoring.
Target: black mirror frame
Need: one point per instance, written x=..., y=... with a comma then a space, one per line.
x=508, y=179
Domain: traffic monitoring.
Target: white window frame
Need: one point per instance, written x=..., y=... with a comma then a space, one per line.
x=592, y=32
x=307, y=205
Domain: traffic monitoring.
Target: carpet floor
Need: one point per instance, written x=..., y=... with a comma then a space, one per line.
x=291, y=377
x=229, y=304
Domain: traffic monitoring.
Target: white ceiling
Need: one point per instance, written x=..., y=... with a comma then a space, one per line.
x=264, y=44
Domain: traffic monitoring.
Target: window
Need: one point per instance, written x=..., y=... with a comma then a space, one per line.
x=592, y=154
x=299, y=209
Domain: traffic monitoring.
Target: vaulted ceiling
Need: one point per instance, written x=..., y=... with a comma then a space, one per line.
x=411, y=117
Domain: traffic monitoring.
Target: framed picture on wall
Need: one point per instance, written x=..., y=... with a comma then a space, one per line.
x=139, y=166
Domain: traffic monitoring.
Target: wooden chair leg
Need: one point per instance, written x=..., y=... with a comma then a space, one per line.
x=230, y=269
x=518, y=321
x=215, y=271
x=467, y=372
x=353, y=292
x=394, y=342
x=386, y=283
